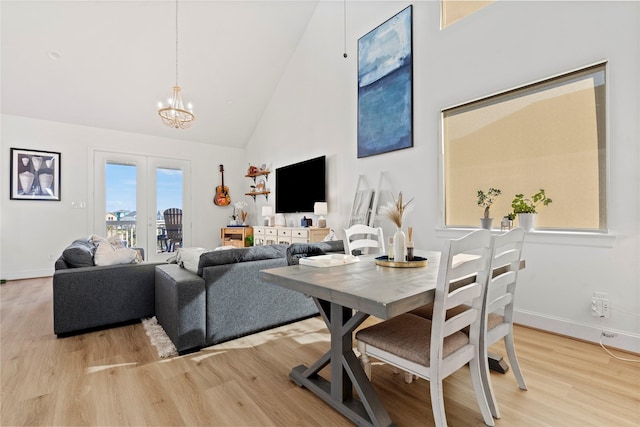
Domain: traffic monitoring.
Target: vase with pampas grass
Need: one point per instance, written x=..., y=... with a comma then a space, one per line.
x=396, y=211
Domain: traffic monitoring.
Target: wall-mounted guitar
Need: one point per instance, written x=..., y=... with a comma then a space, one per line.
x=222, y=197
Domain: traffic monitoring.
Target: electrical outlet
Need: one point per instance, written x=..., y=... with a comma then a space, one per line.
x=600, y=305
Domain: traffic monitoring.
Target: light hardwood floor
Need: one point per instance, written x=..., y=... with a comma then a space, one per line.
x=114, y=377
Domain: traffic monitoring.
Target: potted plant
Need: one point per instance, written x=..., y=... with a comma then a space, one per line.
x=485, y=200
x=507, y=221
x=526, y=209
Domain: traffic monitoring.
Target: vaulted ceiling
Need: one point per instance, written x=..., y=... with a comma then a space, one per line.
x=108, y=63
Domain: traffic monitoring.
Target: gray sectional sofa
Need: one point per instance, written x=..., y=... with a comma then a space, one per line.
x=225, y=298
x=86, y=296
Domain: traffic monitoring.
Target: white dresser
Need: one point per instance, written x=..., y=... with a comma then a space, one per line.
x=287, y=235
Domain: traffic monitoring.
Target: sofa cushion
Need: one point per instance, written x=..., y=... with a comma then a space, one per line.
x=235, y=255
x=79, y=253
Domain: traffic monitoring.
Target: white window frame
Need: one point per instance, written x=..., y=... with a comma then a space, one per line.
x=592, y=237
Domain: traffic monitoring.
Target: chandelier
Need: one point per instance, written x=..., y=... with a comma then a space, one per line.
x=175, y=115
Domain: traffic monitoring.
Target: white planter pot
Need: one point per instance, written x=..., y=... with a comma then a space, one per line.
x=527, y=221
x=486, y=223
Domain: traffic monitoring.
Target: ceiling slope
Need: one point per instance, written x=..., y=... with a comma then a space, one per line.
x=107, y=64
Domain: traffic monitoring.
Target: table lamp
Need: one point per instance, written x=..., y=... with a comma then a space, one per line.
x=320, y=208
x=267, y=213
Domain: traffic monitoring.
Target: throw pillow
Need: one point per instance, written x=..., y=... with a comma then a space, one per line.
x=79, y=253
x=188, y=258
x=108, y=253
x=115, y=240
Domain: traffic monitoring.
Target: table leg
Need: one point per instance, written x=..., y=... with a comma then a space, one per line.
x=346, y=371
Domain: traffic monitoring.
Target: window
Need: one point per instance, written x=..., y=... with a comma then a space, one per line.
x=452, y=11
x=549, y=135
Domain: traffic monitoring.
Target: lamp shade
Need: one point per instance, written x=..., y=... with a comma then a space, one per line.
x=320, y=208
x=267, y=210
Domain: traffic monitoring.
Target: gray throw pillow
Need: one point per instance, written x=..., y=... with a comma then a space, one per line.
x=79, y=253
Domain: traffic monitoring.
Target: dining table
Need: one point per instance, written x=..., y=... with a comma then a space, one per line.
x=346, y=295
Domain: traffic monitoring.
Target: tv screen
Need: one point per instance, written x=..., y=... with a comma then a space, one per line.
x=300, y=185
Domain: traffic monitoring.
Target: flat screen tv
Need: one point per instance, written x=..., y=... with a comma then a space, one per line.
x=300, y=185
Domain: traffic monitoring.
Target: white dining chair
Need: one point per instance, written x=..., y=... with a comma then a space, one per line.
x=362, y=238
x=498, y=316
x=434, y=349
x=506, y=255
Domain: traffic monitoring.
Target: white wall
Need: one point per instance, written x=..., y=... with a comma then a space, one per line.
x=314, y=111
x=34, y=233
x=506, y=44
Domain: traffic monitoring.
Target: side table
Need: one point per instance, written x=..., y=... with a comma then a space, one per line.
x=236, y=236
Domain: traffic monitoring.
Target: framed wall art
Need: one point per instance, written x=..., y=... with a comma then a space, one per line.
x=385, y=87
x=35, y=175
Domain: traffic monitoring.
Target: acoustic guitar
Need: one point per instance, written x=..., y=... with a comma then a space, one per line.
x=222, y=197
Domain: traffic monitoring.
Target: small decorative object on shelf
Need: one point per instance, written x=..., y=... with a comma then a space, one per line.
x=507, y=222
x=396, y=212
x=259, y=188
x=485, y=200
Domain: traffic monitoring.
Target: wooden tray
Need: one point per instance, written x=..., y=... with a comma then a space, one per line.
x=417, y=262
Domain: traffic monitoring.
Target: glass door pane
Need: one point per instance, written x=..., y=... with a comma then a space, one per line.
x=169, y=183
x=120, y=199
x=131, y=193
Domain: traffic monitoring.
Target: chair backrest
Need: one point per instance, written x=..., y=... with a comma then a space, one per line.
x=506, y=255
x=467, y=259
x=173, y=223
x=362, y=237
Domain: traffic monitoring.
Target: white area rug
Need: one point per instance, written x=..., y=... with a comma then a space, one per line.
x=159, y=338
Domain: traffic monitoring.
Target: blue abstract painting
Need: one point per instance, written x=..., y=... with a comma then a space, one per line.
x=385, y=80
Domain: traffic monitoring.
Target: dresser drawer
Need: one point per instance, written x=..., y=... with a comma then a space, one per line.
x=258, y=231
x=300, y=233
x=270, y=232
x=284, y=232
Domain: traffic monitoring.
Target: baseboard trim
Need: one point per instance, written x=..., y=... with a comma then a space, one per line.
x=28, y=274
x=623, y=340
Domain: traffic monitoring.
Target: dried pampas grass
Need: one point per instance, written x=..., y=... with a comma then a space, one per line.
x=397, y=210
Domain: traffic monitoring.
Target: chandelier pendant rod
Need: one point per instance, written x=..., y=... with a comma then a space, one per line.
x=177, y=42
x=345, y=28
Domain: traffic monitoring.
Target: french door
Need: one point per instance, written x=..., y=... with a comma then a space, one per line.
x=132, y=191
